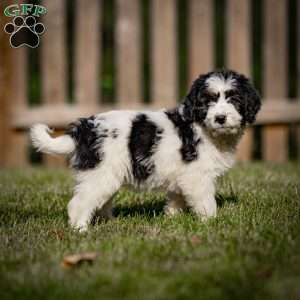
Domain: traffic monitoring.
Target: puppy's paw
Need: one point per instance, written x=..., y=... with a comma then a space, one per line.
x=205, y=210
x=171, y=211
x=205, y=215
x=205, y=218
x=79, y=226
x=77, y=221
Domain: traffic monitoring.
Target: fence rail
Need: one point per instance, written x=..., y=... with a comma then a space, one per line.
x=16, y=115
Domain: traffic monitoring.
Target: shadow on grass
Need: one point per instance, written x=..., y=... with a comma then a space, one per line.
x=153, y=209
x=222, y=199
x=149, y=209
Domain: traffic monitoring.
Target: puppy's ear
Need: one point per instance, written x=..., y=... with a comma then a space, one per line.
x=251, y=97
x=194, y=104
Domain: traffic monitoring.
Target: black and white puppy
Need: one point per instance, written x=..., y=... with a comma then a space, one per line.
x=183, y=150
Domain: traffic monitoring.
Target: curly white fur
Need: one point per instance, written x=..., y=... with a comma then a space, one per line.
x=43, y=142
x=189, y=181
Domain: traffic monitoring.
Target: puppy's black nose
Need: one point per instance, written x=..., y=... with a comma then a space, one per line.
x=220, y=119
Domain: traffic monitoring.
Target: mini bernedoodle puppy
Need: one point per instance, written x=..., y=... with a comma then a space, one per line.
x=182, y=150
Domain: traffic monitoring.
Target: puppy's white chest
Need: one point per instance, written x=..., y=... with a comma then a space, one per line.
x=213, y=160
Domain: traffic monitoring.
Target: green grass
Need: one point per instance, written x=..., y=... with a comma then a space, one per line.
x=250, y=251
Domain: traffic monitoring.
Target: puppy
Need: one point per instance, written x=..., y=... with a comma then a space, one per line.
x=182, y=150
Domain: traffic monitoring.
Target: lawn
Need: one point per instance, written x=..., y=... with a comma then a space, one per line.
x=250, y=251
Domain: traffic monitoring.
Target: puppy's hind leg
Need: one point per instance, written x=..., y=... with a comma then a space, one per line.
x=175, y=204
x=92, y=192
x=105, y=212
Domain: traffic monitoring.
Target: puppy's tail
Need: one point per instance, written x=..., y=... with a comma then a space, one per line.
x=44, y=142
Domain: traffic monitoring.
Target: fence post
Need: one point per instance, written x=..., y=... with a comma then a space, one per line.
x=6, y=76
x=54, y=60
x=87, y=52
x=239, y=56
x=201, y=42
x=275, y=137
x=128, y=52
x=17, y=154
x=164, y=52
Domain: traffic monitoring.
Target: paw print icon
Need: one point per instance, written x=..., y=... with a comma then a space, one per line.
x=24, y=31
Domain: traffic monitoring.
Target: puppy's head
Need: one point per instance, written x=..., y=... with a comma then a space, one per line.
x=222, y=101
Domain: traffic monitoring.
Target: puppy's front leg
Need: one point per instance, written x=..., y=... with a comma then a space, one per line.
x=200, y=197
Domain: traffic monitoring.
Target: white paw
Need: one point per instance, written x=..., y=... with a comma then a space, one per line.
x=172, y=211
x=77, y=219
x=79, y=226
x=206, y=210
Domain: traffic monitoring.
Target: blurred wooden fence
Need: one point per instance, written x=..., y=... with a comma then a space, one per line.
x=16, y=115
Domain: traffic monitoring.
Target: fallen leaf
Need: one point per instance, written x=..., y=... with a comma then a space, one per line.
x=74, y=260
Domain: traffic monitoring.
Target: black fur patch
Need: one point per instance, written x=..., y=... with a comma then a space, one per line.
x=195, y=104
x=88, y=142
x=143, y=139
x=186, y=133
x=247, y=101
